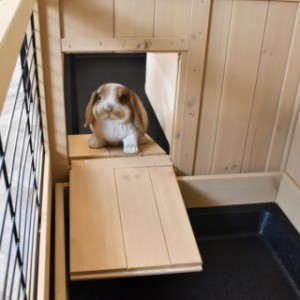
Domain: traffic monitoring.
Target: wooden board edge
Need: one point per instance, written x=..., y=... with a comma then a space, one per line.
x=288, y=199
x=60, y=276
x=229, y=189
x=124, y=162
x=43, y=280
x=102, y=44
x=136, y=272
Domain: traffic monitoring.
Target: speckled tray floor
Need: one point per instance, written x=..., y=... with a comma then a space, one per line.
x=249, y=252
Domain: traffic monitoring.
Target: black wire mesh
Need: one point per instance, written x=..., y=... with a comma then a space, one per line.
x=21, y=168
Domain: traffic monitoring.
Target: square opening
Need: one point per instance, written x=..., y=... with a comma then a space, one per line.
x=152, y=76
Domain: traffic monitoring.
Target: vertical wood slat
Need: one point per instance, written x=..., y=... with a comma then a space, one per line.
x=89, y=18
x=172, y=18
x=190, y=87
x=212, y=89
x=53, y=83
x=140, y=219
x=96, y=240
x=134, y=18
x=275, y=50
x=173, y=212
x=239, y=83
x=279, y=149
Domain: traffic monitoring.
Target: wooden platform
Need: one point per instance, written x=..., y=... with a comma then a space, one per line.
x=79, y=149
x=127, y=218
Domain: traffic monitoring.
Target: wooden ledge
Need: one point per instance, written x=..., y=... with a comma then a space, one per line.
x=79, y=149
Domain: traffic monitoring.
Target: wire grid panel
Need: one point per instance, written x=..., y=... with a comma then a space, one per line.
x=21, y=168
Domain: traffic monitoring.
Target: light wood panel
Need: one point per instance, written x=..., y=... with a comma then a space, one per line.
x=79, y=149
x=242, y=63
x=289, y=200
x=171, y=209
x=273, y=60
x=189, y=89
x=160, y=87
x=94, y=45
x=140, y=219
x=213, y=83
x=96, y=239
x=127, y=218
x=134, y=18
x=89, y=18
x=53, y=82
x=172, y=18
x=60, y=278
x=286, y=104
x=229, y=189
x=43, y=279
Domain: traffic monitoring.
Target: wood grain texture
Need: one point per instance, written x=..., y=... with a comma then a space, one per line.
x=143, y=235
x=134, y=18
x=213, y=84
x=242, y=63
x=172, y=18
x=96, y=238
x=60, y=277
x=91, y=18
x=174, y=218
x=273, y=61
x=127, y=218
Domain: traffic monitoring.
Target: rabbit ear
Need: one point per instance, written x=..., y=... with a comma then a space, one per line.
x=140, y=118
x=89, y=117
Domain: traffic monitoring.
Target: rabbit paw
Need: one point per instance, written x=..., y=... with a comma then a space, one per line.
x=96, y=143
x=131, y=149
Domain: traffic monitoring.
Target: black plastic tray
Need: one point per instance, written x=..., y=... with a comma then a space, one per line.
x=249, y=252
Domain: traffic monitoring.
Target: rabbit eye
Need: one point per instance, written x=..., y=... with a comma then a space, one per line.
x=98, y=99
x=123, y=98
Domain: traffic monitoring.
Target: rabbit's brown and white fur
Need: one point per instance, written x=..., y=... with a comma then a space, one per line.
x=115, y=114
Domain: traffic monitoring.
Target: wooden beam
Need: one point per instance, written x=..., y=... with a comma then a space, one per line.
x=97, y=45
x=229, y=189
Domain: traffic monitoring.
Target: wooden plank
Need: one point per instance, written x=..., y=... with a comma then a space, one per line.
x=137, y=272
x=289, y=199
x=134, y=18
x=242, y=62
x=167, y=16
x=95, y=45
x=60, y=278
x=293, y=163
x=190, y=85
x=79, y=149
x=274, y=55
x=96, y=238
x=286, y=102
x=89, y=18
x=174, y=219
x=160, y=87
x=52, y=60
x=229, y=189
x=14, y=16
x=43, y=279
x=124, y=162
x=213, y=83
x=143, y=235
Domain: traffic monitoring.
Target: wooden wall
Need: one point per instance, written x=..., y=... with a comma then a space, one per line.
x=238, y=73
x=246, y=104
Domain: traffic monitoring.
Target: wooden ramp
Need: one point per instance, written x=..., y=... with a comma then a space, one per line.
x=127, y=218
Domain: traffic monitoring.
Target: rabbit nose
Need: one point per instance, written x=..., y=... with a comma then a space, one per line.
x=108, y=108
